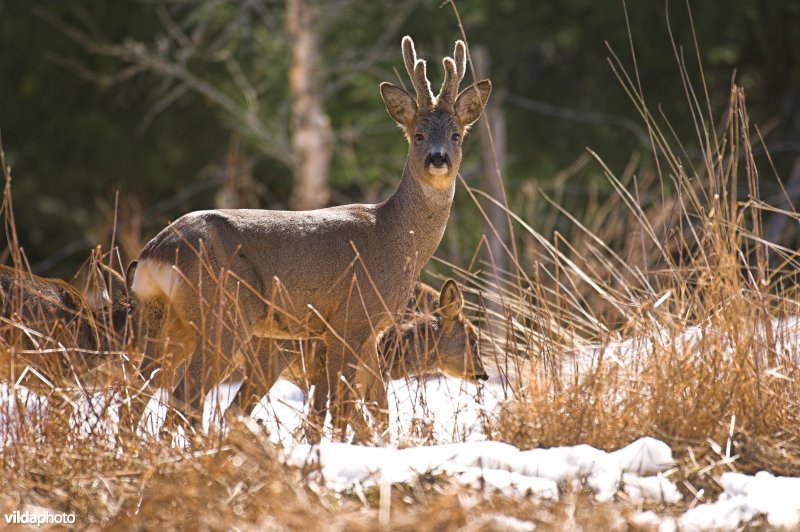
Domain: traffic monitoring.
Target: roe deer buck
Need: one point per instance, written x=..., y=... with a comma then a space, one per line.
x=61, y=335
x=339, y=274
x=440, y=341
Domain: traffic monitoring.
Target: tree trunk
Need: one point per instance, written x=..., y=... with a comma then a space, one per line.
x=311, y=130
x=493, y=157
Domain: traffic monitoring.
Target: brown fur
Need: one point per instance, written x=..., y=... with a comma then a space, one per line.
x=214, y=279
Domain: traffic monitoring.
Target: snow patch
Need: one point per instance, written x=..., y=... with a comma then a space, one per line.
x=656, y=490
x=486, y=464
x=744, y=498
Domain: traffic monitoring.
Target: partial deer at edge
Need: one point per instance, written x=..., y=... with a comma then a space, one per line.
x=340, y=274
x=50, y=327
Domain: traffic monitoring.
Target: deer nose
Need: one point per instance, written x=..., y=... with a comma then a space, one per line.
x=482, y=376
x=437, y=159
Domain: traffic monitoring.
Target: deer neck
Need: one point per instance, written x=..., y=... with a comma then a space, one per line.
x=408, y=349
x=421, y=208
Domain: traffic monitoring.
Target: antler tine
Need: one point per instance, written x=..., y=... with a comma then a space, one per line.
x=409, y=56
x=460, y=57
x=417, y=72
x=447, y=93
x=422, y=86
x=454, y=70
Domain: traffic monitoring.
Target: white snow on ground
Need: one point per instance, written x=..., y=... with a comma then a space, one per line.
x=496, y=465
x=650, y=489
x=452, y=410
x=456, y=411
x=746, y=496
x=647, y=520
x=13, y=407
x=627, y=353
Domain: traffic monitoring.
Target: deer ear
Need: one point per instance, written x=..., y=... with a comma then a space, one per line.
x=399, y=103
x=129, y=273
x=451, y=302
x=96, y=293
x=471, y=101
x=119, y=288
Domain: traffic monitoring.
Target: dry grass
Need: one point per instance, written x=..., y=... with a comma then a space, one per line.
x=238, y=483
x=673, y=318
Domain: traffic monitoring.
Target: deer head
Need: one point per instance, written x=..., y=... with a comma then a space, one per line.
x=435, y=125
x=457, y=343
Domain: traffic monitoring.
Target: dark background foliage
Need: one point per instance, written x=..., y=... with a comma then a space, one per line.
x=80, y=125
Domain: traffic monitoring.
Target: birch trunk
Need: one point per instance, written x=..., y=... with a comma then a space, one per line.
x=311, y=130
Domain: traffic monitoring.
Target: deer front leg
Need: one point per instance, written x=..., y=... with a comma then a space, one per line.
x=370, y=378
x=316, y=379
x=342, y=362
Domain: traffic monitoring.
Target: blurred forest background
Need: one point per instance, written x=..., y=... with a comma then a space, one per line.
x=175, y=105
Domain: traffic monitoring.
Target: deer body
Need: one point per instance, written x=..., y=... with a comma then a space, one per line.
x=338, y=274
x=265, y=246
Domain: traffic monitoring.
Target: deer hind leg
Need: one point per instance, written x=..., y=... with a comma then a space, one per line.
x=261, y=369
x=256, y=369
x=229, y=324
x=155, y=350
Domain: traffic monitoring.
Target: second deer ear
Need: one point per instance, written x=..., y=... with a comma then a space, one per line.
x=96, y=294
x=451, y=302
x=471, y=101
x=399, y=103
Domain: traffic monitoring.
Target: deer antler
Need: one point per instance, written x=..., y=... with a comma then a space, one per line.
x=416, y=69
x=454, y=70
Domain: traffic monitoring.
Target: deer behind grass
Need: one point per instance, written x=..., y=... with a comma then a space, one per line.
x=339, y=274
x=50, y=328
x=438, y=340
x=444, y=341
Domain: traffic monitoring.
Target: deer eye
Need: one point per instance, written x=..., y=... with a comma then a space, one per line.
x=456, y=137
x=418, y=137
